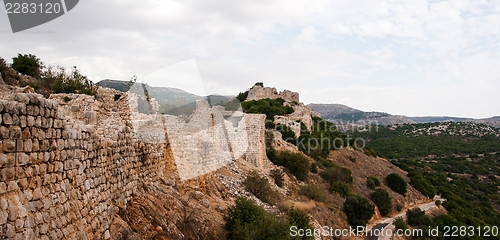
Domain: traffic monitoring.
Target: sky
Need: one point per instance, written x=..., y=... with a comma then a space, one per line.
x=415, y=58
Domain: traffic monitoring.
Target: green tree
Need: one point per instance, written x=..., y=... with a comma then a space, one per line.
x=296, y=163
x=260, y=187
x=342, y=188
x=277, y=175
x=74, y=82
x=313, y=192
x=399, y=223
x=246, y=220
x=27, y=64
x=383, y=200
x=396, y=183
x=372, y=182
x=358, y=210
x=417, y=217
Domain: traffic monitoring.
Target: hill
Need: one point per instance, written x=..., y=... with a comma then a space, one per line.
x=164, y=95
x=342, y=114
x=460, y=160
x=345, y=115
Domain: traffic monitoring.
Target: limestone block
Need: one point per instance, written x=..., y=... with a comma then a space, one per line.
x=26, y=134
x=15, y=132
x=15, y=119
x=16, y=209
x=30, y=121
x=9, y=145
x=7, y=119
x=22, y=121
x=3, y=160
x=3, y=217
x=22, y=159
x=4, y=132
x=8, y=174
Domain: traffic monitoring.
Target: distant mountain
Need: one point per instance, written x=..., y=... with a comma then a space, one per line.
x=493, y=121
x=342, y=114
x=429, y=119
x=346, y=115
x=164, y=95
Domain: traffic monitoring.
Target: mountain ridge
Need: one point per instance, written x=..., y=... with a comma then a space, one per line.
x=343, y=114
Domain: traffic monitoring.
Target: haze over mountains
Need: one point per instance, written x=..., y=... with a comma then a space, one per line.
x=346, y=115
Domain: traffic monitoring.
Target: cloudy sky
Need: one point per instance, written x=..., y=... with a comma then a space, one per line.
x=402, y=57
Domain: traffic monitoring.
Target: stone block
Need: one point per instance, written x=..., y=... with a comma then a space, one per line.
x=28, y=145
x=9, y=145
x=22, y=159
x=19, y=145
x=4, y=132
x=7, y=119
x=30, y=121
x=26, y=134
x=22, y=121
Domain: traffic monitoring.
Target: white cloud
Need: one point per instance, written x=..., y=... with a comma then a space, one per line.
x=413, y=57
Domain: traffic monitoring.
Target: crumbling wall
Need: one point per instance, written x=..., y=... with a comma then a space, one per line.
x=70, y=163
x=64, y=170
x=257, y=92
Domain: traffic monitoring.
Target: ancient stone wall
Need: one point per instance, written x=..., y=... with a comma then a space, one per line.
x=257, y=92
x=67, y=164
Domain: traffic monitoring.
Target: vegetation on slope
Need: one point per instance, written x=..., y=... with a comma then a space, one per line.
x=460, y=161
x=246, y=220
x=46, y=80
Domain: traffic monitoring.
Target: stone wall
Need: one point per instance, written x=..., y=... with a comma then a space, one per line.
x=257, y=92
x=69, y=164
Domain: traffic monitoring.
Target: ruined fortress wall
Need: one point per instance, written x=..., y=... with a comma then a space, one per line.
x=257, y=92
x=255, y=128
x=66, y=167
x=69, y=163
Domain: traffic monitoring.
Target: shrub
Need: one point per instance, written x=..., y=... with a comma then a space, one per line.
x=58, y=80
x=277, y=175
x=358, y=210
x=342, y=188
x=422, y=184
x=314, y=168
x=27, y=64
x=313, y=192
x=438, y=203
x=337, y=174
x=299, y=218
x=396, y=183
x=260, y=187
x=246, y=220
x=372, y=182
x=399, y=223
x=242, y=96
x=399, y=207
x=383, y=201
x=417, y=217
x=287, y=133
x=270, y=107
x=296, y=163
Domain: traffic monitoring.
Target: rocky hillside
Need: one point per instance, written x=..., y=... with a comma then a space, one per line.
x=95, y=167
